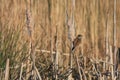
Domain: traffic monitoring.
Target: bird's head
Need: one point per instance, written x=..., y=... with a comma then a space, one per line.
x=79, y=36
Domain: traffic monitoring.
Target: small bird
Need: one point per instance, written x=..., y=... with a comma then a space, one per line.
x=77, y=41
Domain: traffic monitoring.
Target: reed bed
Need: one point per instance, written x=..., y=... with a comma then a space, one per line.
x=36, y=40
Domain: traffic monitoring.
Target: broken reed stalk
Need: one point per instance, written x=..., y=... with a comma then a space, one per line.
x=7, y=70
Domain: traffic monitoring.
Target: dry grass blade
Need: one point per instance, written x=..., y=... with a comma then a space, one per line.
x=38, y=73
x=21, y=70
x=7, y=70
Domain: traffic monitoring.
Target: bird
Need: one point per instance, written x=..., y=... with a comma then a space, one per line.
x=76, y=41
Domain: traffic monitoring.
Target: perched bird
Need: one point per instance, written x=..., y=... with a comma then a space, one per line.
x=76, y=41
